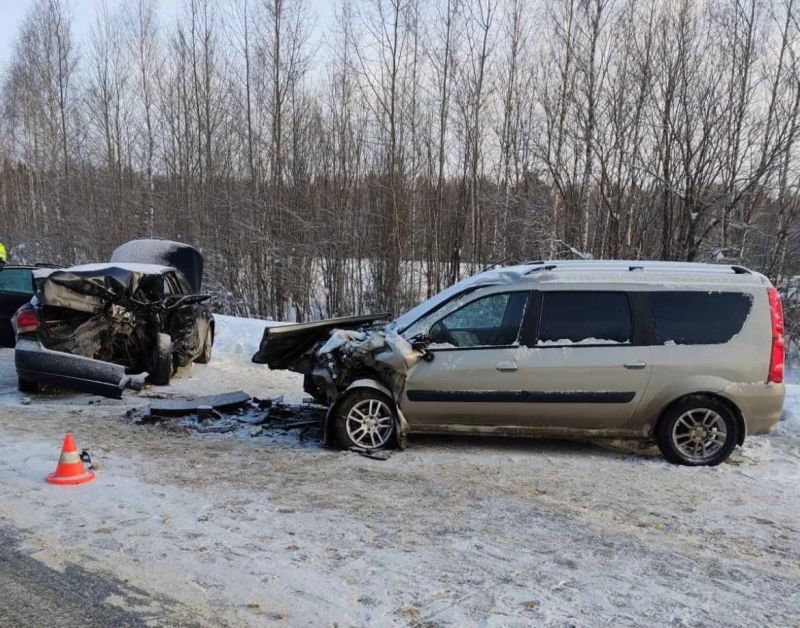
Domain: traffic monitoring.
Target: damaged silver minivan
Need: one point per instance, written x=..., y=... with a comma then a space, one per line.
x=688, y=354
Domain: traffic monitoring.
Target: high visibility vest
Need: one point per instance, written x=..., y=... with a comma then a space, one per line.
x=2, y=252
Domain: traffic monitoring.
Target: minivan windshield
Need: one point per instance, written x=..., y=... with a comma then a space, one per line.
x=508, y=274
x=408, y=320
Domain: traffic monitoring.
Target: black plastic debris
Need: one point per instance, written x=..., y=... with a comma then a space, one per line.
x=239, y=414
x=200, y=405
x=374, y=454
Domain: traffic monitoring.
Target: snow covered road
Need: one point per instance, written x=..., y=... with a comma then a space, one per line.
x=453, y=531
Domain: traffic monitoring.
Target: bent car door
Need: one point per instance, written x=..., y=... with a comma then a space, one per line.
x=587, y=365
x=472, y=379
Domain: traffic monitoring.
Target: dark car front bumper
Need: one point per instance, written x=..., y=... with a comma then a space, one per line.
x=36, y=363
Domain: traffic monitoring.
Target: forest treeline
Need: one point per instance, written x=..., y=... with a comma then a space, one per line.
x=364, y=162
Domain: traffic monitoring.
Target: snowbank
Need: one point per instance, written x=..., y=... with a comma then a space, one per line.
x=789, y=427
x=237, y=337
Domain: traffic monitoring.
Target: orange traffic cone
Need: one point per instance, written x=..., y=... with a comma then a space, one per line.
x=70, y=469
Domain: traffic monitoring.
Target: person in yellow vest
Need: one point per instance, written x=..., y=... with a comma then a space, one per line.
x=2, y=254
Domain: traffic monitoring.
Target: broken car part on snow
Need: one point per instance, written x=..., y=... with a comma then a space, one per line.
x=101, y=328
x=244, y=416
x=233, y=412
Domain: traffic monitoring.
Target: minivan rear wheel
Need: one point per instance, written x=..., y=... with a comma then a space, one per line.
x=697, y=431
x=366, y=419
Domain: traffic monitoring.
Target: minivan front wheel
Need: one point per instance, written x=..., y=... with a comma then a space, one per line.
x=365, y=418
x=697, y=431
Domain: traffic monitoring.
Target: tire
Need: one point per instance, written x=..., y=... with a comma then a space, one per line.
x=161, y=372
x=690, y=432
x=208, y=343
x=375, y=409
x=27, y=386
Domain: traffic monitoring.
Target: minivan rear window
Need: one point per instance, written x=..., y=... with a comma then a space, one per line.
x=698, y=318
x=587, y=318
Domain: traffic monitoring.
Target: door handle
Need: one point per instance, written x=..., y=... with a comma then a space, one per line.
x=506, y=367
x=635, y=366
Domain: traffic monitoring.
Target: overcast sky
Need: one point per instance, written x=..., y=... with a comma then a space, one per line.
x=12, y=12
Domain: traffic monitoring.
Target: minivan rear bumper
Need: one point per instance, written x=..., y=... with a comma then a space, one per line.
x=761, y=404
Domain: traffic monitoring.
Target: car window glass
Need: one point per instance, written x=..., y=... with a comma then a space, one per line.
x=170, y=286
x=431, y=311
x=18, y=280
x=590, y=318
x=181, y=285
x=493, y=320
x=693, y=318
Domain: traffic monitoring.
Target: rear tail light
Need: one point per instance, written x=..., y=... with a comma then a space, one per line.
x=776, y=358
x=25, y=320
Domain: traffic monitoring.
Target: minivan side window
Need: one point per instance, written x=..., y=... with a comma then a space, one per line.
x=493, y=320
x=698, y=318
x=586, y=318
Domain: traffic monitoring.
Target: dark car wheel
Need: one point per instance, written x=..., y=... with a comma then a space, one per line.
x=161, y=372
x=697, y=431
x=365, y=418
x=27, y=386
x=208, y=343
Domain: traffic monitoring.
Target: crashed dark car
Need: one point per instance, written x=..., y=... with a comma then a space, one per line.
x=101, y=328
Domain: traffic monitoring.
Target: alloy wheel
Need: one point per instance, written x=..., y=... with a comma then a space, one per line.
x=370, y=423
x=699, y=434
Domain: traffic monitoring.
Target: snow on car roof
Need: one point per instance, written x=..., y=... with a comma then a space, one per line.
x=641, y=272
x=618, y=272
x=145, y=269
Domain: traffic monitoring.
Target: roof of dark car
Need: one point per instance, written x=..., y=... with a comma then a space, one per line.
x=145, y=269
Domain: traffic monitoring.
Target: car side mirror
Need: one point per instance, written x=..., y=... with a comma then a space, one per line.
x=420, y=341
x=438, y=334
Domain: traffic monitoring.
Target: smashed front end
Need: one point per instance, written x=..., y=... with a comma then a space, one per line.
x=95, y=326
x=339, y=354
x=99, y=312
x=334, y=353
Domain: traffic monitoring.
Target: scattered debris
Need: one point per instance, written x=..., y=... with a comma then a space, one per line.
x=200, y=405
x=86, y=459
x=238, y=413
x=375, y=454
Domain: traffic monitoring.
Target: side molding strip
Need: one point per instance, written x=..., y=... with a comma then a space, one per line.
x=521, y=396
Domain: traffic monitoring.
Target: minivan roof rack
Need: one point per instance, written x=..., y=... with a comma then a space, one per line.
x=635, y=265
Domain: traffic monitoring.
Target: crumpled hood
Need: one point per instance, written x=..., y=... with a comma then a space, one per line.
x=90, y=288
x=284, y=347
x=383, y=347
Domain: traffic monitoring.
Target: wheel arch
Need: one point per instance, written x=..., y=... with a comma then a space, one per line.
x=740, y=422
